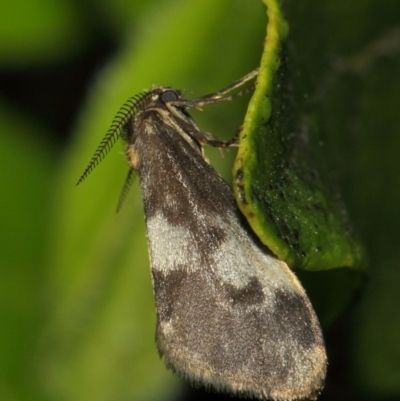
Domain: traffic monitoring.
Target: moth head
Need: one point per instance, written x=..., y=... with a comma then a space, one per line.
x=169, y=99
x=169, y=95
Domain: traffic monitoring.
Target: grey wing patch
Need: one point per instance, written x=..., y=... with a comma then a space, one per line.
x=238, y=321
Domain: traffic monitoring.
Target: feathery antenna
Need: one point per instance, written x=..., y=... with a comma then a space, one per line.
x=125, y=189
x=131, y=107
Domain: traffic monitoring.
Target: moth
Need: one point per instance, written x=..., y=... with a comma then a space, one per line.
x=230, y=315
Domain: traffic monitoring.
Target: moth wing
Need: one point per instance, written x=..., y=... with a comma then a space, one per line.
x=230, y=315
x=240, y=321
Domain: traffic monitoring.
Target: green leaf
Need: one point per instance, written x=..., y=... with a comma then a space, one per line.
x=277, y=180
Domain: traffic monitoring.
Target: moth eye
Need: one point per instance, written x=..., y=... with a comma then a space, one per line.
x=169, y=96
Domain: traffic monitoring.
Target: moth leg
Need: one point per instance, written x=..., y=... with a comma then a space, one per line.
x=219, y=96
x=205, y=138
x=216, y=142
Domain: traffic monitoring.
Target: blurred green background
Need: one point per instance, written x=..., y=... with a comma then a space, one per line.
x=77, y=315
